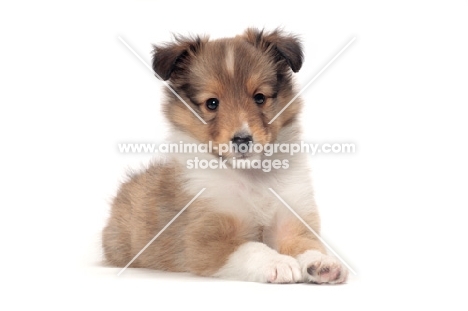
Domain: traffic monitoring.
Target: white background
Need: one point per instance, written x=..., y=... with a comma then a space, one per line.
x=395, y=210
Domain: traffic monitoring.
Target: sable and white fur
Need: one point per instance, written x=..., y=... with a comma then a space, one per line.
x=237, y=228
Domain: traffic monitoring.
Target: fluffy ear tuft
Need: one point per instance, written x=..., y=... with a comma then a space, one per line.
x=284, y=46
x=166, y=58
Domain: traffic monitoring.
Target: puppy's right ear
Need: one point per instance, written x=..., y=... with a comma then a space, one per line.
x=171, y=57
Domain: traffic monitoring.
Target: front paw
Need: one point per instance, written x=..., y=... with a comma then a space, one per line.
x=320, y=268
x=256, y=262
x=282, y=269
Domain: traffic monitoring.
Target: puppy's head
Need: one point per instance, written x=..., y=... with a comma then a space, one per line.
x=237, y=85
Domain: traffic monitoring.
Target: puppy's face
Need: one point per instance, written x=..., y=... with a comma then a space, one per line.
x=237, y=85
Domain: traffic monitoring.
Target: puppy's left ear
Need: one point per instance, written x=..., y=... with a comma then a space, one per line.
x=283, y=46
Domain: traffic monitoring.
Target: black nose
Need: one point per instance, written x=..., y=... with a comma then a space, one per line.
x=243, y=141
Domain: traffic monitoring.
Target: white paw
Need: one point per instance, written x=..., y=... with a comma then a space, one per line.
x=256, y=262
x=320, y=268
x=282, y=269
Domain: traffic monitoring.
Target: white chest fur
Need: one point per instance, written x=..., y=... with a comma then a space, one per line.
x=245, y=192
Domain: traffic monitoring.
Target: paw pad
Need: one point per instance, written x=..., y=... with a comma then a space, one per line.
x=320, y=268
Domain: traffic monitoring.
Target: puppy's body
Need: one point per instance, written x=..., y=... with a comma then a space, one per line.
x=237, y=228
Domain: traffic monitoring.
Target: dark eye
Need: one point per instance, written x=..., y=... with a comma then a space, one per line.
x=259, y=98
x=212, y=103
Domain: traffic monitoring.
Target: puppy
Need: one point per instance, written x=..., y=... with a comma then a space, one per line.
x=237, y=228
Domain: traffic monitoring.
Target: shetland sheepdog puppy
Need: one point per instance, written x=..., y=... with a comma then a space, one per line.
x=237, y=228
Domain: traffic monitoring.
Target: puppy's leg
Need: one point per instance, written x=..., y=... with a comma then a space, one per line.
x=256, y=262
x=291, y=237
x=225, y=246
